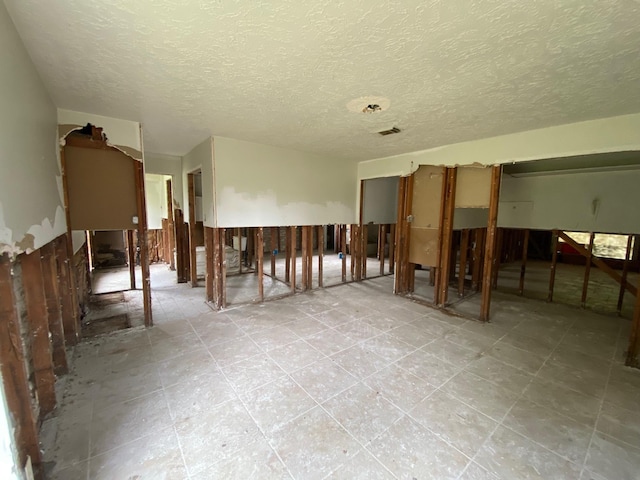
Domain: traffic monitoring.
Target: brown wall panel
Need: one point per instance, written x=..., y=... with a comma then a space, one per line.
x=473, y=187
x=423, y=248
x=102, y=191
x=427, y=196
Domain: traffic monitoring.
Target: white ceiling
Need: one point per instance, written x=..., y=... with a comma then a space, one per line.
x=282, y=72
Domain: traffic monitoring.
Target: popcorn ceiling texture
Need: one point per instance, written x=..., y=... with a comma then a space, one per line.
x=281, y=73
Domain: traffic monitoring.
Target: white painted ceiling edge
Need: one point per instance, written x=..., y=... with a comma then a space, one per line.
x=283, y=72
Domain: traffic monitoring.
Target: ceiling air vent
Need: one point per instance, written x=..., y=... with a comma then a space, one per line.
x=391, y=131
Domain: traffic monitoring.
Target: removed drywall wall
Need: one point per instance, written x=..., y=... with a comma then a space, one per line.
x=264, y=185
x=31, y=207
x=380, y=200
x=166, y=165
x=200, y=158
x=156, y=195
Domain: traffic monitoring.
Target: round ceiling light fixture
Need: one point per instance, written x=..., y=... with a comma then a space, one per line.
x=368, y=104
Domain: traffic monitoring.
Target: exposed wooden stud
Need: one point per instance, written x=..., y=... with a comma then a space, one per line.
x=131, y=259
x=320, y=255
x=251, y=247
x=392, y=247
x=464, y=248
x=587, y=270
x=310, y=230
x=238, y=234
x=490, y=243
x=304, y=239
x=352, y=249
x=170, y=226
x=625, y=271
x=598, y=262
x=446, y=236
x=209, y=266
x=287, y=263
x=498, y=257
x=634, y=337
x=14, y=375
x=443, y=214
x=523, y=265
x=409, y=271
x=182, y=266
x=364, y=233
x=191, y=193
x=223, y=265
x=293, y=259
x=54, y=313
x=69, y=320
x=343, y=246
x=274, y=247
x=382, y=239
x=142, y=238
x=554, y=261
x=260, y=261
x=399, y=238
x=35, y=302
x=216, y=267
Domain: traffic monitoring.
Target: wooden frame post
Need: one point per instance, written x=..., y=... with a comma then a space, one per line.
x=274, y=246
x=170, y=225
x=392, y=247
x=38, y=320
x=69, y=320
x=14, y=375
x=382, y=243
x=287, y=262
x=343, y=246
x=587, y=271
x=364, y=233
x=490, y=243
x=131, y=259
x=625, y=271
x=634, y=337
x=446, y=237
x=292, y=257
x=191, y=195
x=54, y=313
x=462, y=271
x=260, y=261
x=523, y=265
x=142, y=238
x=552, y=268
x=320, y=255
x=209, y=265
x=304, y=240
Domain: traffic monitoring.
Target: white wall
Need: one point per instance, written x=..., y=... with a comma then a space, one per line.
x=166, y=165
x=381, y=200
x=261, y=185
x=589, y=201
x=31, y=205
x=613, y=134
x=156, y=199
x=200, y=158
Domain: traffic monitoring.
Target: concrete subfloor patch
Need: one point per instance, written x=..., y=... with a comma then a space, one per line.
x=349, y=382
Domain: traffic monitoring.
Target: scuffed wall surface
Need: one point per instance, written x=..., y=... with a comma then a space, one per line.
x=269, y=186
x=31, y=207
x=597, y=136
x=201, y=157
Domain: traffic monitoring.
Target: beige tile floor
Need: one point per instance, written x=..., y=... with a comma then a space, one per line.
x=349, y=382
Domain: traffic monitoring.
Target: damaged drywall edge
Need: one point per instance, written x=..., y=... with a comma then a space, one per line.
x=35, y=237
x=65, y=130
x=120, y=132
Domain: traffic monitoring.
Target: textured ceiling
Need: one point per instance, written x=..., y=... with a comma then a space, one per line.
x=282, y=72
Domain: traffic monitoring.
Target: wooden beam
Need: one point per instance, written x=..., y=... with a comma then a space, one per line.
x=293, y=259
x=352, y=249
x=209, y=266
x=54, y=312
x=587, y=270
x=304, y=278
x=598, y=262
x=191, y=192
x=14, y=375
x=142, y=238
x=343, y=246
x=392, y=247
x=69, y=321
x=382, y=239
x=464, y=248
x=274, y=247
x=131, y=259
x=523, y=265
x=625, y=271
x=364, y=233
x=320, y=255
x=554, y=261
x=310, y=259
x=223, y=268
x=409, y=271
x=634, y=337
x=38, y=321
x=181, y=260
x=260, y=261
x=287, y=263
x=490, y=243
x=238, y=234
x=443, y=213
x=170, y=225
x=446, y=236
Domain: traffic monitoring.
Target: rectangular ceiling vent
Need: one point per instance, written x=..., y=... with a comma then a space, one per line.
x=391, y=131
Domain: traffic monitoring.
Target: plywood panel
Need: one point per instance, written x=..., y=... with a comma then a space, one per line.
x=102, y=191
x=427, y=191
x=473, y=187
x=423, y=248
